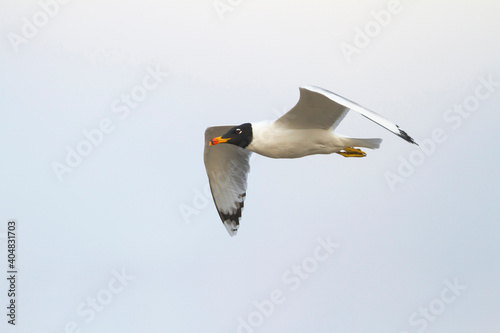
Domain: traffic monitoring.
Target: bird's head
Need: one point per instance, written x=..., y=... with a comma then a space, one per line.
x=240, y=136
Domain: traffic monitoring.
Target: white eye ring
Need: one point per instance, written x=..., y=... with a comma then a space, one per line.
x=238, y=131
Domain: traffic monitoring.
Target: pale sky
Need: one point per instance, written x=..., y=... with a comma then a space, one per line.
x=104, y=112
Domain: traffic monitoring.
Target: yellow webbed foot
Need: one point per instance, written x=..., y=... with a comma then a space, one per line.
x=352, y=152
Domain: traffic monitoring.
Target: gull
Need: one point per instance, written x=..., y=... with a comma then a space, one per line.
x=307, y=129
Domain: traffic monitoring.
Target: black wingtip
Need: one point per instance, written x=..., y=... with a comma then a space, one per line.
x=405, y=136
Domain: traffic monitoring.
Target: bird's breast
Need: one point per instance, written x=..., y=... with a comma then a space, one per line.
x=292, y=143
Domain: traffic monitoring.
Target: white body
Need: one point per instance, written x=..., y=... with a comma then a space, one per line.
x=275, y=141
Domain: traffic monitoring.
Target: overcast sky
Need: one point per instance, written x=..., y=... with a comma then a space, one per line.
x=104, y=108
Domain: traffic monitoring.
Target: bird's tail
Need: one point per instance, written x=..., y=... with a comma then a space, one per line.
x=373, y=143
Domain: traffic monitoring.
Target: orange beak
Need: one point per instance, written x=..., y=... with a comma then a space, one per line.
x=217, y=140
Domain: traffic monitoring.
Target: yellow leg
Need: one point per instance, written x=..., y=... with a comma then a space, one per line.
x=352, y=152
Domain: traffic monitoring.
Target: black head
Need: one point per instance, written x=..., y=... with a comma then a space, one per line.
x=240, y=136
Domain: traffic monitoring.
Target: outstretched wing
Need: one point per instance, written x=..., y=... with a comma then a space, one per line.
x=322, y=109
x=227, y=169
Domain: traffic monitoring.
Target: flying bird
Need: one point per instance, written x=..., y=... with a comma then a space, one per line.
x=307, y=129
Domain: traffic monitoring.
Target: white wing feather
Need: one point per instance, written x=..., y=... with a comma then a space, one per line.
x=227, y=168
x=320, y=108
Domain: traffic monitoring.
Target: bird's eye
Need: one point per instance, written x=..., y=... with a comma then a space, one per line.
x=238, y=131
